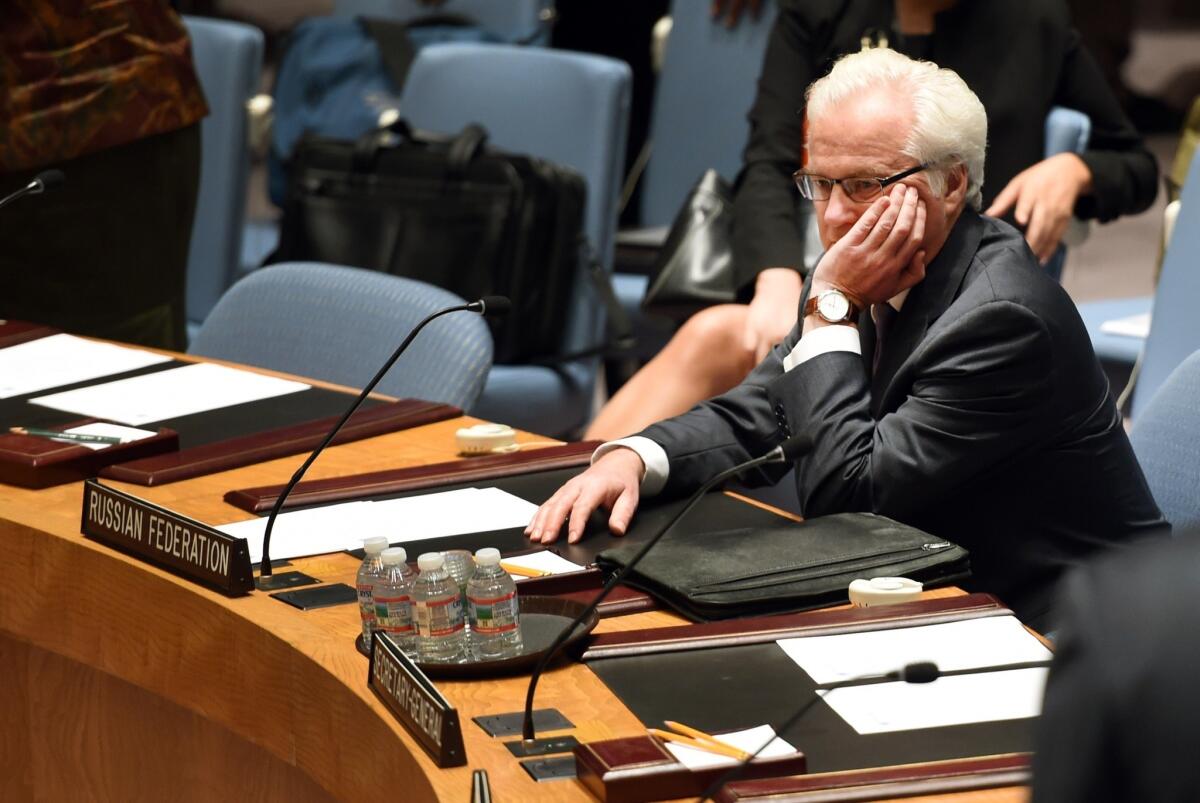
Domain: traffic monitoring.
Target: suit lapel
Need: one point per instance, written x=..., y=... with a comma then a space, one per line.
x=925, y=304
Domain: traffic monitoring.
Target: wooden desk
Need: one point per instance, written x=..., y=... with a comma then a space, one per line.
x=123, y=682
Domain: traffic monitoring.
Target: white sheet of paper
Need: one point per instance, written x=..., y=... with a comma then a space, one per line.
x=304, y=532
x=545, y=561
x=415, y=518
x=748, y=740
x=57, y=360
x=126, y=434
x=1133, y=326
x=170, y=394
x=988, y=641
x=954, y=700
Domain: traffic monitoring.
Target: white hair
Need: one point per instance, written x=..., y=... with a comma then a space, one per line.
x=949, y=122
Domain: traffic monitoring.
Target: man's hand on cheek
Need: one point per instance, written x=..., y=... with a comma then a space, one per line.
x=881, y=255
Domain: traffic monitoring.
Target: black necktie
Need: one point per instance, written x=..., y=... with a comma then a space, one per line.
x=883, y=315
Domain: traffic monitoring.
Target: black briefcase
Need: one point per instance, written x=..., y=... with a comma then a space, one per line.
x=449, y=211
x=790, y=567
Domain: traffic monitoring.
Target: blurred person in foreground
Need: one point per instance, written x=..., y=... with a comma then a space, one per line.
x=1119, y=722
x=946, y=381
x=105, y=92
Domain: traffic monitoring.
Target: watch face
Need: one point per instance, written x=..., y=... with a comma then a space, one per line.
x=833, y=306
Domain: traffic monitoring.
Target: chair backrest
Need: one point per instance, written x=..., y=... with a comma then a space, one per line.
x=518, y=21
x=704, y=91
x=1165, y=436
x=570, y=108
x=1066, y=131
x=228, y=58
x=1174, y=325
x=340, y=325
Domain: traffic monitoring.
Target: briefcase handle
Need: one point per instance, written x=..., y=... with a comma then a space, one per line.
x=461, y=149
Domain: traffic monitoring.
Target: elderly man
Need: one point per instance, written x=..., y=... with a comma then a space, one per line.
x=947, y=383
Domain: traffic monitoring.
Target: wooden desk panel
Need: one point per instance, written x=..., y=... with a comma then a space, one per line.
x=222, y=692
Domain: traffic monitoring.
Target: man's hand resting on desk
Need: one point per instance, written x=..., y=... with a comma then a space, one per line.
x=612, y=481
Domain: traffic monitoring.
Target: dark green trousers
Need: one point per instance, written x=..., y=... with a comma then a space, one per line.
x=105, y=254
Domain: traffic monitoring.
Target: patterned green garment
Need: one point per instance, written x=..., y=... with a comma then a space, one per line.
x=80, y=76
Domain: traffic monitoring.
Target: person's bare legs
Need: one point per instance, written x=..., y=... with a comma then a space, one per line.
x=705, y=358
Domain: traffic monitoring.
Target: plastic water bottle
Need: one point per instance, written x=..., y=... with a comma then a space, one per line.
x=495, y=614
x=369, y=573
x=437, y=608
x=393, y=599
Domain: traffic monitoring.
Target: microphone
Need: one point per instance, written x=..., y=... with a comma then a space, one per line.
x=788, y=451
x=488, y=305
x=919, y=672
x=45, y=180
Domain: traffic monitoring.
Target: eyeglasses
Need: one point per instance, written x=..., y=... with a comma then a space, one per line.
x=861, y=189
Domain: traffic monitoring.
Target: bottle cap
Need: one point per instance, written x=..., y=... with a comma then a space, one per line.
x=430, y=561
x=488, y=556
x=883, y=591
x=375, y=544
x=393, y=556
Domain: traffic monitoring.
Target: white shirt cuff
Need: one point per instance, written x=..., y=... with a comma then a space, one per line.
x=823, y=340
x=654, y=457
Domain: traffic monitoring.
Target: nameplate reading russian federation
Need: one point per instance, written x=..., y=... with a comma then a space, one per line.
x=416, y=702
x=159, y=536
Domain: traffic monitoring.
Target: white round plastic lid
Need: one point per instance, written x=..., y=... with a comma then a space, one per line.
x=393, y=556
x=430, y=561
x=374, y=545
x=488, y=556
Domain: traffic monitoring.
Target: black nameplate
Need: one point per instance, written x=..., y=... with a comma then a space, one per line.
x=416, y=702
x=159, y=536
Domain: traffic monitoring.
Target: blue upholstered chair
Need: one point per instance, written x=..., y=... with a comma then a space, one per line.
x=518, y=21
x=569, y=108
x=228, y=58
x=340, y=324
x=1174, y=327
x=695, y=125
x=1165, y=436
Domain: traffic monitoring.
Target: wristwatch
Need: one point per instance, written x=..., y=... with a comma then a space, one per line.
x=833, y=306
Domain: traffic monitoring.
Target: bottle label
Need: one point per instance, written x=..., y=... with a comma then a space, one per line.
x=394, y=614
x=439, y=617
x=494, y=615
x=366, y=602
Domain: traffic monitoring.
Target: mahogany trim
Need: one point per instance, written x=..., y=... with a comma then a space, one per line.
x=760, y=629
x=378, y=483
x=15, y=332
x=282, y=442
x=584, y=586
x=907, y=780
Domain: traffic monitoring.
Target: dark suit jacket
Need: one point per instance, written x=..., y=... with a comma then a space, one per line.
x=1021, y=57
x=1122, y=706
x=989, y=422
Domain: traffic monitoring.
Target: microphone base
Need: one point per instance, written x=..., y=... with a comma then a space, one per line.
x=284, y=580
x=524, y=748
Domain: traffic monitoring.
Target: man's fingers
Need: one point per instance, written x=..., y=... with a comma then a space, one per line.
x=899, y=242
x=882, y=229
x=859, y=231
x=587, y=501
x=550, y=516
x=622, y=511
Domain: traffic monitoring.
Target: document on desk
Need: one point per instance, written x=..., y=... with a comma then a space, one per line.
x=988, y=641
x=415, y=518
x=57, y=360
x=170, y=394
x=954, y=700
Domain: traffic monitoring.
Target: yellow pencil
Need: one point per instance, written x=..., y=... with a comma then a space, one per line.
x=719, y=748
x=521, y=571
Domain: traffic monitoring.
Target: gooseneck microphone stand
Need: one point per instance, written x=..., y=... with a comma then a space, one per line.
x=488, y=305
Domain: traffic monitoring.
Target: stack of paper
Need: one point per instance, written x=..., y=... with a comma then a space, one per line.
x=51, y=362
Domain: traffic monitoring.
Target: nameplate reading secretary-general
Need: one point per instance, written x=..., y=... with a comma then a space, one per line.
x=984, y=418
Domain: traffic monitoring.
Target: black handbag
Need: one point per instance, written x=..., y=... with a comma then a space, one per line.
x=790, y=567
x=694, y=268
x=448, y=211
